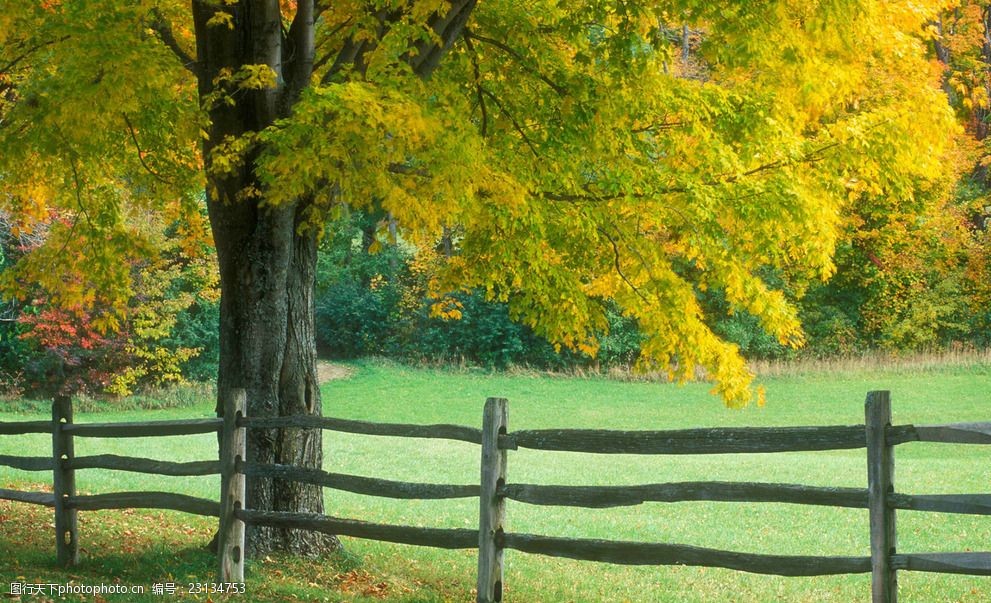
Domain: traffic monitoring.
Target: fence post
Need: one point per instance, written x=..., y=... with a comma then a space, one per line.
x=64, y=484
x=230, y=543
x=880, y=486
x=492, y=507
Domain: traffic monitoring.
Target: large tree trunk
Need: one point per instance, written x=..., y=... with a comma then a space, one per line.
x=267, y=347
x=267, y=275
x=267, y=263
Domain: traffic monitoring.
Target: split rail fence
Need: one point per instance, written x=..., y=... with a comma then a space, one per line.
x=877, y=435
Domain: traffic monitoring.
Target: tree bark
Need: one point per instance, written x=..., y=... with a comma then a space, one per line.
x=267, y=277
x=267, y=347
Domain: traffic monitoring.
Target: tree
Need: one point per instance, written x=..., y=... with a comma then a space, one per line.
x=583, y=160
x=963, y=46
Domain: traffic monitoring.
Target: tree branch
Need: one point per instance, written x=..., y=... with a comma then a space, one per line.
x=349, y=54
x=320, y=62
x=596, y=197
x=301, y=44
x=398, y=168
x=319, y=8
x=657, y=126
x=512, y=119
x=162, y=27
x=478, y=84
x=448, y=28
x=78, y=191
x=13, y=62
x=810, y=157
x=560, y=90
x=134, y=138
x=619, y=268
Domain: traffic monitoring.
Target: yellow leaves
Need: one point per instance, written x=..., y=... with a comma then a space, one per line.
x=228, y=155
x=582, y=163
x=423, y=9
x=971, y=88
x=377, y=282
x=156, y=366
x=221, y=19
x=604, y=285
x=28, y=202
x=257, y=77
x=376, y=143
x=126, y=281
x=228, y=83
x=248, y=193
x=447, y=308
x=589, y=348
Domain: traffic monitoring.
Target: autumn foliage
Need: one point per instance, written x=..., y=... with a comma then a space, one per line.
x=72, y=340
x=687, y=167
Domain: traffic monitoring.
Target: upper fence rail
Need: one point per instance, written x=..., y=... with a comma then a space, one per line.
x=402, y=430
x=717, y=440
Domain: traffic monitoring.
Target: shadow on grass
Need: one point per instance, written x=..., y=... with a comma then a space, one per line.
x=165, y=555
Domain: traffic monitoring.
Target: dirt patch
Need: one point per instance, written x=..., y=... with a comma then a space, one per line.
x=328, y=371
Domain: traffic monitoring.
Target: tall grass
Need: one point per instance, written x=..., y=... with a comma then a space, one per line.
x=876, y=361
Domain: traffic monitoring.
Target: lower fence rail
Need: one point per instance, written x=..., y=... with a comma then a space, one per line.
x=444, y=538
x=644, y=553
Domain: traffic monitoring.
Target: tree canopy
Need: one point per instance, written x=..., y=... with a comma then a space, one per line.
x=583, y=151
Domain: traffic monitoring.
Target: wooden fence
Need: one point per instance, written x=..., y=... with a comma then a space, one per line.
x=877, y=435
x=63, y=464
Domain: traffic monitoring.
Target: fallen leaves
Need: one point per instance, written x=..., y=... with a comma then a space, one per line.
x=360, y=581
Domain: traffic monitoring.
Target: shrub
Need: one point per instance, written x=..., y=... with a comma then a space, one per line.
x=483, y=335
x=146, y=334
x=358, y=293
x=197, y=327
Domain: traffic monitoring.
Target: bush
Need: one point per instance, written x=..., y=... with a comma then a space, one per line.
x=744, y=329
x=352, y=320
x=163, y=330
x=197, y=327
x=483, y=335
x=358, y=293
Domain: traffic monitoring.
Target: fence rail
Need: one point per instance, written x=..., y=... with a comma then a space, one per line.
x=877, y=435
x=444, y=538
x=370, y=486
x=642, y=553
x=955, y=433
x=145, y=500
x=598, y=497
x=144, y=429
x=402, y=430
x=975, y=564
x=738, y=440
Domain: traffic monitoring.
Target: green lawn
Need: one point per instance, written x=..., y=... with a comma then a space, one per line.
x=135, y=550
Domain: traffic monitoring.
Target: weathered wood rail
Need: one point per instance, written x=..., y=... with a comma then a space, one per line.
x=876, y=435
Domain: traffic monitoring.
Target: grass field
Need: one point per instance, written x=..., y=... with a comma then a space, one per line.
x=137, y=547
